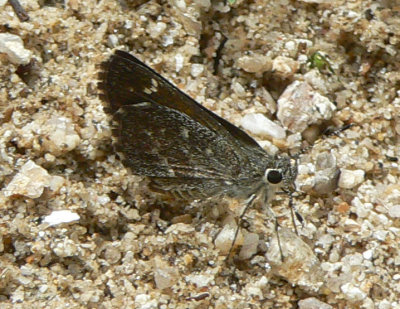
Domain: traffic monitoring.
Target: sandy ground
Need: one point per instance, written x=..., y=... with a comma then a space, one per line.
x=129, y=248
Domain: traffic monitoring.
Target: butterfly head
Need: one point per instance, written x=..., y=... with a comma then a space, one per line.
x=282, y=174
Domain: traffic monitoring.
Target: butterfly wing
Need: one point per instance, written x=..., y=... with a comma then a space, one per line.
x=164, y=134
x=125, y=80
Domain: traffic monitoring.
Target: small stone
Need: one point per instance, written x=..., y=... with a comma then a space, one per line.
x=380, y=235
x=196, y=69
x=223, y=242
x=238, y=89
x=343, y=207
x=255, y=63
x=394, y=211
x=284, y=66
x=368, y=254
x=351, y=226
x=350, y=178
x=18, y=295
x=258, y=124
x=313, y=303
x=112, y=41
x=57, y=134
x=299, y=265
x=300, y=106
x=179, y=59
x=200, y=280
x=61, y=216
x=180, y=229
x=249, y=247
x=13, y=46
x=144, y=301
x=112, y=254
x=385, y=304
x=352, y=293
x=43, y=288
x=164, y=275
x=65, y=248
x=157, y=29
x=188, y=14
x=30, y=181
x=324, y=175
x=362, y=209
x=327, y=173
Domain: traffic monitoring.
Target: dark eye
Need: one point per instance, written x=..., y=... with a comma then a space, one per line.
x=274, y=176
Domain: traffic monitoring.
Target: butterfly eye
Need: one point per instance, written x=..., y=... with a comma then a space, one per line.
x=274, y=176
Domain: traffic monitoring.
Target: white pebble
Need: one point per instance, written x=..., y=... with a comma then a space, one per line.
x=30, y=181
x=254, y=63
x=178, y=62
x=144, y=301
x=13, y=46
x=313, y=303
x=368, y=254
x=200, y=280
x=350, y=178
x=352, y=293
x=284, y=66
x=258, y=124
x=165, y=276
x=394, y=211
x=223, y=242
x=112, y=40
x=61, y=216
x=249, y=247
x=196, y=69
x=300, y=106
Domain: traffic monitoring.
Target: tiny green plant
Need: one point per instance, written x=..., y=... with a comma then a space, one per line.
x=320, y=61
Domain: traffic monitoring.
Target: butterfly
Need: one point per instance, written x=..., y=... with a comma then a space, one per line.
x=183, y=148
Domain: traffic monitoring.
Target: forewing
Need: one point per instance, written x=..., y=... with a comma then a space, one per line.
x=158, y=141
x=125, y=80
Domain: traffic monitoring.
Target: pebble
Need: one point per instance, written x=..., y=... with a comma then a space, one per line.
x=258, y=124
x=196, y=69
x=112, y=41
x=350, y=178
x=13, y=46
x=299, y=266
x=61, y=216
x=285, y=67
x=362, y=209
x=144, y=301
x=255, y=63
x=157, y=29
x=31, y=181
x=223, y=242
x=394, y=211
x=352, y=293
x=313, y=303
x=368, y=254
x=200, y=280
x=112, y=254
x=65, y=248
x=164, y=275
x=57, y=132
x=319, y=178
x=300, y=105
x=249, y=247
